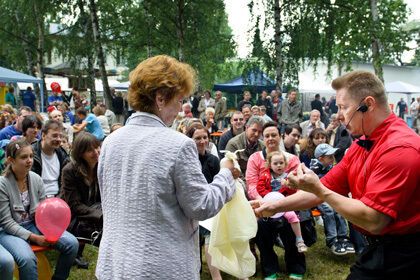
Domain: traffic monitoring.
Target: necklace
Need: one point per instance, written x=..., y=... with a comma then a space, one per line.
x=23, y=185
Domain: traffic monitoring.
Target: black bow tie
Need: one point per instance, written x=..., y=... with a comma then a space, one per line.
x=367, y=144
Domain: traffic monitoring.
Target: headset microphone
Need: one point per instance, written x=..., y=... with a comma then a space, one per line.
x=362, y=108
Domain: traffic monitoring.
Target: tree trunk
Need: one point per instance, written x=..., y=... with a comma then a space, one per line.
x=278, y=45
x=101, y=58
x=39, y=18
x=376, y=44
x=180, y=29
x=91, y=80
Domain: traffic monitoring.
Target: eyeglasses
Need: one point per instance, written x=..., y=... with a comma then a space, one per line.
x=240, y=119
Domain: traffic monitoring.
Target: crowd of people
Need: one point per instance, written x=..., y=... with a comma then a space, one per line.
x=144, y=187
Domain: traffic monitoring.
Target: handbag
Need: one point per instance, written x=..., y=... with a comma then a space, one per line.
x=87, y=230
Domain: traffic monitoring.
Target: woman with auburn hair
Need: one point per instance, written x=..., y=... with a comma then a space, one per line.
x=79, y=188
x=152, y=188
x=316, y=137
x=21, y=190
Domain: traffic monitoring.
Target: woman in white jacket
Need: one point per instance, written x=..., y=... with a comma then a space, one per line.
x=152, y=188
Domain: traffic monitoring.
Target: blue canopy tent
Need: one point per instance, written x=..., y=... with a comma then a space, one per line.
x=10, y=76
x=254, y=81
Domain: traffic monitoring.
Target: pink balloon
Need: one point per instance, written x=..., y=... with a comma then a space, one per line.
x=52, y=217
x=274, y=196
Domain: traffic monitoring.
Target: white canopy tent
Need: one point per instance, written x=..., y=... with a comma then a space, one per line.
x=402, y=88
x=10, y=76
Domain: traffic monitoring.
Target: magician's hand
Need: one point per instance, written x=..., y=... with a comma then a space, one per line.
x=304, y=179
x=263, y=208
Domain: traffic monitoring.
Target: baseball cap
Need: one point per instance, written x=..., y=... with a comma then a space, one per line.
x=55, y=87
x=324, y=150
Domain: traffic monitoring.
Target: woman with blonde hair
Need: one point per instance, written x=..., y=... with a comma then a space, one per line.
x=152, y=188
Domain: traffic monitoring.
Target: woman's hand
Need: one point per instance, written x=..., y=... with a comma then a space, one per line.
x=39, y=240
x=229, y=164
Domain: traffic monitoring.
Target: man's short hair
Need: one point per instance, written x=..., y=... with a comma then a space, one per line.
x=255, y=120
x=360, y=84
x=314, y=111
x=236, y=113
x=24, y=108
x=51, y=124
x=317, y=96
x=246, y=106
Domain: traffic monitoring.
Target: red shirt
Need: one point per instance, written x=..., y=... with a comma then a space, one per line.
x=386, y=178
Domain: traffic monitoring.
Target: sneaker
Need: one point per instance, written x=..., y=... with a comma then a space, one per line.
x=81, y=263
x=338, y=249
x=271, y=277
x=301, y=246
x=296, y=276
x=348, y=246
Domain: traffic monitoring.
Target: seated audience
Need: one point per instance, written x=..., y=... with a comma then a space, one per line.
x=20, y=193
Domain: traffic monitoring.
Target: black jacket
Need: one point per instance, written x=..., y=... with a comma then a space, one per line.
x=210, y=166
x=63, y=158
x=342, y=141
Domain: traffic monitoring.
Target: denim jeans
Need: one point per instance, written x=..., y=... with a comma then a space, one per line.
x=25, y=258
x=335, y=226
x=6, y=264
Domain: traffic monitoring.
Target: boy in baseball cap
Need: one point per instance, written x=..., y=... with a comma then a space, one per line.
x=335, y=226
x=324, y=159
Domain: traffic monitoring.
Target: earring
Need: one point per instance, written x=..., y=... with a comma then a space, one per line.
x=160, y=109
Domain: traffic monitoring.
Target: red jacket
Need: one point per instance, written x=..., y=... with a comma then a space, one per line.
x=264, y=185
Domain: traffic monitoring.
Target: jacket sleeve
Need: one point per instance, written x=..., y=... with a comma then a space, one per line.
x=199, y=200
x=252, y=175
x=231, y=146
x=224, y=109
x=6, y=218
x=264, y=185
x=222, y=145
x=201, y=106
x=70, y=181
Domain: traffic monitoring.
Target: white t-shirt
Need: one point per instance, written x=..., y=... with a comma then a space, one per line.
x=50, y=173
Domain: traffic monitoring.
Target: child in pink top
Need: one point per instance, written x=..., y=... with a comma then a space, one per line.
x=270, y=181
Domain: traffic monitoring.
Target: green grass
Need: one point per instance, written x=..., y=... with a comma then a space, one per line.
x=321, y=263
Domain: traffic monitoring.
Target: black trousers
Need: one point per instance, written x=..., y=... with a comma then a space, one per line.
x=389, y=257
x=267, y=231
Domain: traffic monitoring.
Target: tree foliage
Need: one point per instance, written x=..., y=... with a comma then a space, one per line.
x=197, y=32
x=339, y=32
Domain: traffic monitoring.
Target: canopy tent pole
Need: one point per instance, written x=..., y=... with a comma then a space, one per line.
x=41, y=90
